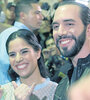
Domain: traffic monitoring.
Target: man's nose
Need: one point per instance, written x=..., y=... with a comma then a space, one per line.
x=62, y=30
x=41, y=16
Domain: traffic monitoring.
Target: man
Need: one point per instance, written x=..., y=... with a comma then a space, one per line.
x=71, y=32
x=10, y=13
x=50, y=44
x=28, y=16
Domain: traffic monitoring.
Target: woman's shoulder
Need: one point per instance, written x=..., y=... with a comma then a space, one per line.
x=52, y=82
x=8, y=93
x=7, y=86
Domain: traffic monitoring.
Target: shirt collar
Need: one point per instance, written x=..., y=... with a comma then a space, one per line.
x=20, y=25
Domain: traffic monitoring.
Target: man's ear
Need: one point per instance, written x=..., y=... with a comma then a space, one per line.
x=88, y=31
x=22, y=15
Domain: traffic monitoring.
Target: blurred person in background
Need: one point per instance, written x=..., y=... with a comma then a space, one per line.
x=10, y=13
x=55, y=63
x=2, y=15
x=3, y=25
x=50, y=44
x=50, y=52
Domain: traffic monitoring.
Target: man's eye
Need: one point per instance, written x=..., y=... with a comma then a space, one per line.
x=37, y=12
x=55, y=27
x=69, y=24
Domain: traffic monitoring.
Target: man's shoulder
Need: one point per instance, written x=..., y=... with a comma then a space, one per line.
x=60, y=93
x=8, y=30
x=4, y=26
x=5, y=34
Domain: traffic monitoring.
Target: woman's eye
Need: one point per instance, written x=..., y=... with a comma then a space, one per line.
x=12, y=55
x=23, y=52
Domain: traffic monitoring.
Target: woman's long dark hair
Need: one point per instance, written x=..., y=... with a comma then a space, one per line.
x=31, y=39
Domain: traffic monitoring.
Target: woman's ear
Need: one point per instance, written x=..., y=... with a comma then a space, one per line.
x=88, y=31
x=38, y=53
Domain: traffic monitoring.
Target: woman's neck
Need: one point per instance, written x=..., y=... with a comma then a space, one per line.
x=34, y=78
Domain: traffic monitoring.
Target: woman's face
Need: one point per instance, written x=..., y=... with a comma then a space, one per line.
x=23, y=58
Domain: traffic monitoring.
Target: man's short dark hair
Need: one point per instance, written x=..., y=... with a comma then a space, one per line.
x=23, y=6
x=10, y=4
x=84, y=11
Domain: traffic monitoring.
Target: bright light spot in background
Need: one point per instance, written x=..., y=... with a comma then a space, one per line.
x=85, y=2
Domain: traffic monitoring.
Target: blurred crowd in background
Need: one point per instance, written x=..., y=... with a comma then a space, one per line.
x=55, y=63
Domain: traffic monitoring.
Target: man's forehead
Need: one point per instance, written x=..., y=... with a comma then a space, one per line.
x=12, y=8
x=67, y=12
x=36, y=6
x=68, y=7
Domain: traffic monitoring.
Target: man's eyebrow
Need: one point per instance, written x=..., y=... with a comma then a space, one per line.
x=54, y=23
x=69, y=20
x=65, y=20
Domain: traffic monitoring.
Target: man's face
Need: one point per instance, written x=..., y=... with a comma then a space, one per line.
x=51, y=46
x=34, y=17
x=68, y=30
x=10, y=13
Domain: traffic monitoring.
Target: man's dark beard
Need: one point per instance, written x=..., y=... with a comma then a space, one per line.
x=76, y=48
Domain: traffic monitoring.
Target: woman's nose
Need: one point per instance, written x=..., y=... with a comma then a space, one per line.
x=19, y=58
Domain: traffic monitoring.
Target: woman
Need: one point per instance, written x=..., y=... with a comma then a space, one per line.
x=27, y=69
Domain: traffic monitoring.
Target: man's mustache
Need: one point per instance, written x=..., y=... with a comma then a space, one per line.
x=64, y=37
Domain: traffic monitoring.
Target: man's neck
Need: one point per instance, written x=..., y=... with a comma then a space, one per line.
x=21, y=21
x=10, y=22
x=84, y=52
